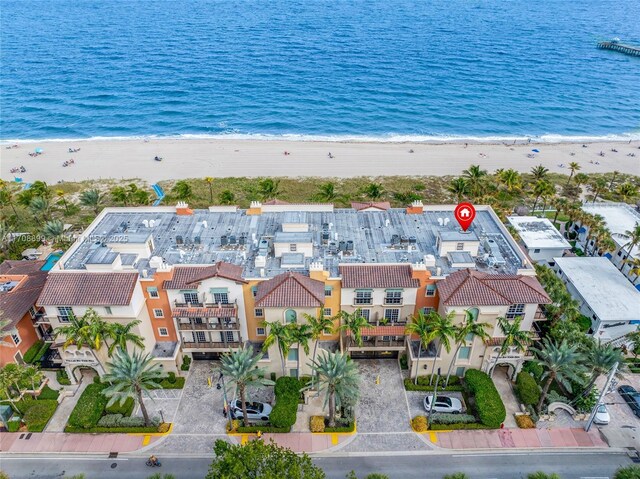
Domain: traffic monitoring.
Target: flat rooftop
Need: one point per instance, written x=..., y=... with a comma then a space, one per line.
x=619, y=217
x=206, y=237
x=538, y=232
x=605, y=289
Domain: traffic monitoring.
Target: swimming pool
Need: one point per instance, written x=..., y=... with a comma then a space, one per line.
x=51, y=260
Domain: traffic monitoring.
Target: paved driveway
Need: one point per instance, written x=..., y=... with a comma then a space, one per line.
x=624, y=428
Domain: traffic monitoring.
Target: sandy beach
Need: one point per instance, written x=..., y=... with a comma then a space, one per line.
x=190, y=158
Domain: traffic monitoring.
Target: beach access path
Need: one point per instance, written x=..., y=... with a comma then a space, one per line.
x=198, y=158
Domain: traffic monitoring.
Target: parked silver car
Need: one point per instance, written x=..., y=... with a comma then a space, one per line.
x=256, y=411
x=602, y=416
x=443, y=404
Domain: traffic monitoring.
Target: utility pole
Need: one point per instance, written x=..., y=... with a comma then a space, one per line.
x=603, y=393
x=433, y=399
x=226, y=406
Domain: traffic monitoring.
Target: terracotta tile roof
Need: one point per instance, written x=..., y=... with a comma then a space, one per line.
x=473, y=288
x=187, y=276
x=88, y=289
x=15, y=304
x=204, y=312
x=379, y=205
x=378, y=276
x=381, y=331
x=290, y=290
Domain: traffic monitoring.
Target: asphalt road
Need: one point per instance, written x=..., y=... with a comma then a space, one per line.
x=432, y=466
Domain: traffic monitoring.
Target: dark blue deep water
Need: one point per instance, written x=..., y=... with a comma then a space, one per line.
x=352, y=68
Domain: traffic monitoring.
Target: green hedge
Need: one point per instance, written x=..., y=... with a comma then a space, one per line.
x=29, y=356
x=424, y=385
x=13, y=426
x=263, y=429
x=150, y=429
x=126, y=409
x=489, y=405
x=444, y=418
x=403, y=362
x=38, y=413
x=90, y=407
x=350, y=427
x=451, y=427
x=177, y=384
x=287, y=392
x=62, y=378
x=186, y=362
x=527, y=389
x=48, y=393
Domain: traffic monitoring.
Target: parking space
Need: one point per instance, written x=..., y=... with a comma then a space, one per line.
x=624, y=428
x=416, y=401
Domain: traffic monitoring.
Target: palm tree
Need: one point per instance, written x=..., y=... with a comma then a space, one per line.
x=634, y=267
x=373, y=191
x=33, y=375
x=597, y=186
x=53, y=229
x=541, y=187
x=41, y=189
x=209, y=182
x=548, y=191
x=420, y=327
x=468, y=328
x=573, y=167
x=327, y=192
x=613, y=178
x=92, y=199
x=281, y=335
x=513, y=336
x=353, y=324
x=600, y=359
x=40, y=206
x=562, y=364
x=77, y=331
x=633, y=235
x=269, y=188
x=120, y=195
x=318, y=325
x=580, y=179
x=130, y=375
x=539, y=172
x=338, y=379
x=182, y=190
x=627, y=191
x=301, y=334
x=62, y=200
x=241, y=369
x=475, y=177
x=122, y=334
x=560, y=204
x=510, y=178
x=7, y=200
x=9, y=377
x=141, y=197
x=442, y=330
x=99, y=329
x=226, y=197
x=459, y=188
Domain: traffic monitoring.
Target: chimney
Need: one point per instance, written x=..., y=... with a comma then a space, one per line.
x=416, y=208
x=255, y=208
x=317, y=272
x=182, y=209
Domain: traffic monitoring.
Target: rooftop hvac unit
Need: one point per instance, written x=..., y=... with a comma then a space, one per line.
x=325, y=237
x=413, y=239
x=440, y=221
x=349, y=245
x=179, y=240
x=204, y=224
x=342, y=246
x=145, y=223
x=243, y=239
x=333, y=247
x=404, y=239
x=325, y=226
x=197, y=240
x=224, y=240
x=395, y=239
x=232, y=239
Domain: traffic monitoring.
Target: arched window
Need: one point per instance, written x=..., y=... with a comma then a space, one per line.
x=290, y=316
x=473, y=312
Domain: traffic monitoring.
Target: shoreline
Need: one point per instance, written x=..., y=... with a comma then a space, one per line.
x=218, y=157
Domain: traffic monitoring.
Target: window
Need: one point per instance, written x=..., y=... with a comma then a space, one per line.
x=293, y=355
x=221, y=298
x=265, y=354
x=293, y=247
x=254, y=290
x=32, y=311
x=107, y=310
x=258, y=312
x=393, y=296
x=191, y=297
x=431, y=290
x=200, y=337
x=514, y=311
x=158, y=313
x=392, y=314
x=261, y=332
x=460, y=372
x=363, y=296
x=473, y=313
x=537, y=250
x=460, y=247
x=65, y=313
x=365, y=313
x=293, y=373
x=465, y=352
x=469, y=337
x=163, y=332
x=228, y=337
x=16, y=338
x=426, y=311
x=153, y=292
x=290, y=316
x=326, y=312
x=328, y=291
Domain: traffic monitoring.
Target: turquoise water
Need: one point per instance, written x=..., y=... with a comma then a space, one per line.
x=52, y=259
x=402, y=69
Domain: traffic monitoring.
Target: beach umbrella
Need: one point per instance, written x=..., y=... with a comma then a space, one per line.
x=535, y=150
x=39, y=150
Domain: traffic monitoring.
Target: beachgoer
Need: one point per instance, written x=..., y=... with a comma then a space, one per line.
x=410, y=151
x=330, y=155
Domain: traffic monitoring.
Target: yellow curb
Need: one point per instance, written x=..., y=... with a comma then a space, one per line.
x=244, y=440
x=433, y=437
x=146, y=440
x=334, y=439
x=149, y=434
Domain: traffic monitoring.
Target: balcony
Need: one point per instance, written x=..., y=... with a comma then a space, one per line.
x=392, y=301
x=204, y=310
x=380, y=343
x=387, y=322
x=48, y=337
x=204, y=305
x=193, y=326
x=539, y=315
x=210, y=345
x=362, y=302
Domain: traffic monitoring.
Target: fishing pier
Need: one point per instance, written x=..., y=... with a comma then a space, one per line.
x=620, y=47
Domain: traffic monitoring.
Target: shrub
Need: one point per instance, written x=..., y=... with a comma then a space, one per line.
x=125, y=410
x=32, y=352
x=13, y=426
x=444, y=418
x=90, y=407
x=164, y=427
x=110, y=420
x=403, y=361
x=41, y=352
x=629, y=472
x=584, y=323
x=48, y=393
x=343, y=426
x=543, y=475
x=186, y=363
x=38, y=414
x=171, y=377
x=423, y=384
x=316, y=423
x=534, y=368
x=287, y=392
x=488, y=402
x=419, y=424
x=135, y=421
x=456, y=475
x=527, y=389
x=62, y=378
x=178, y=383
x=96, y=379
x=255, y=429
x=524, y=421
x=234, y=425
x=451, y=427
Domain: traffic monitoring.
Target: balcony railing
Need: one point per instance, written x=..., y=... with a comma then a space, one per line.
x=179, y=304
x=363, y=301
x=380, y=343
x=387, y=322
x=48, y=337
x=209, y=345
x=539, y=315
x=208, y=326
x=392, y=301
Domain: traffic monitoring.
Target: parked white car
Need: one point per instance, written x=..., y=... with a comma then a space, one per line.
x=602, y=415
x=256, y=411
x=443, y=404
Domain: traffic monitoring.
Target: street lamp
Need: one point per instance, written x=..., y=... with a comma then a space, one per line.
x=433, y=400
x=225, y=406
x=161, y=415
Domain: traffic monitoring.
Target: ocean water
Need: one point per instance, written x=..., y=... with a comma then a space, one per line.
x=384, y=69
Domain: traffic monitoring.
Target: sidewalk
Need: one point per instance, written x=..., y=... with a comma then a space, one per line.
x=72, y=443
x=516, y=438
x=301, y=441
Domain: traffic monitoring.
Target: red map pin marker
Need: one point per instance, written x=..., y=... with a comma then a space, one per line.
x=465, y=214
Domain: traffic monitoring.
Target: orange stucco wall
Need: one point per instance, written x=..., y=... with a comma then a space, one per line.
x=423, y=301
x=161, y=302
x=28, y=335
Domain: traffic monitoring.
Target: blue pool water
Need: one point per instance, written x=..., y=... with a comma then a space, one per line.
x=52, y=259
x=403, y=69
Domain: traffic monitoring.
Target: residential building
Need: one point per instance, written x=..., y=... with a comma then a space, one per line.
x=619, y=218
x=20, y=319
x=541, y=240
x=604, y=294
